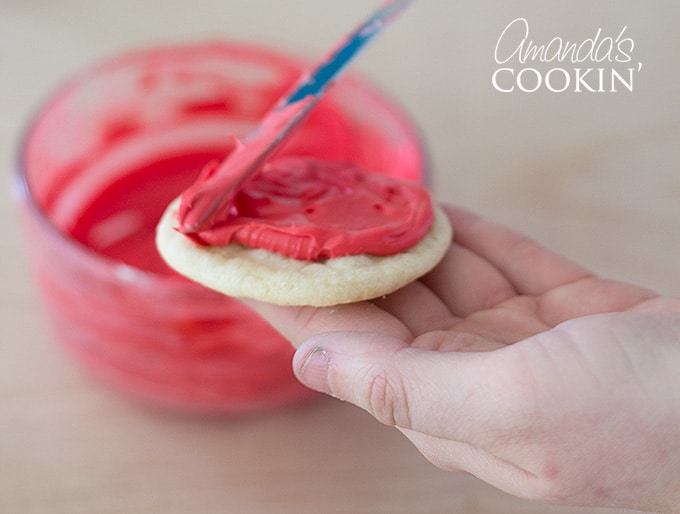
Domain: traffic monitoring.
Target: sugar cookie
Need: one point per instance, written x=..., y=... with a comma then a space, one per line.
x=239, y=271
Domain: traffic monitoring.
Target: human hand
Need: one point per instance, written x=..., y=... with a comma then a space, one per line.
x=513, y=364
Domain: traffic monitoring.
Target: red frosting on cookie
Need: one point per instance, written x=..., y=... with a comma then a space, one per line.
x=310, y=209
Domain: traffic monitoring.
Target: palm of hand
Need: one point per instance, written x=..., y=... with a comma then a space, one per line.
x=516, y=365
x=566, y=386
x=495, y=288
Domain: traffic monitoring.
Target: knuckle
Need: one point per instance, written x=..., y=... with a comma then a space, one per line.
x=387, y=399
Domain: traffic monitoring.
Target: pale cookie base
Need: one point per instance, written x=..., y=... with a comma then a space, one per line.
x=238, y=271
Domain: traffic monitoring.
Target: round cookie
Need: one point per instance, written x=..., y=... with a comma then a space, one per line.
x=238, y=271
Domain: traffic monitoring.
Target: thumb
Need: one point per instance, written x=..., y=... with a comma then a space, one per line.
x=437, y=393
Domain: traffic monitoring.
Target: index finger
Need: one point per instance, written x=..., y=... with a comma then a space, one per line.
x=530, y=268
x=297, y=324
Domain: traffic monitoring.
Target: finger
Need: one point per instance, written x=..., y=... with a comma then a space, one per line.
x=530, y=268
x=449, y=395
x=418, y=307
x=298, y=324
x=591, y=296
x=467, y=283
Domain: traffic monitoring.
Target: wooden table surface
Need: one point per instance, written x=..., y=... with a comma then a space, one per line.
x=594, y=175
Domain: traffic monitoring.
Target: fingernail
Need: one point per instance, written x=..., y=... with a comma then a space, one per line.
x=314, y=370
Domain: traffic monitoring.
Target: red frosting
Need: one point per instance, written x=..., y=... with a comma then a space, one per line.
x=208, y=200
x=310, y=209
